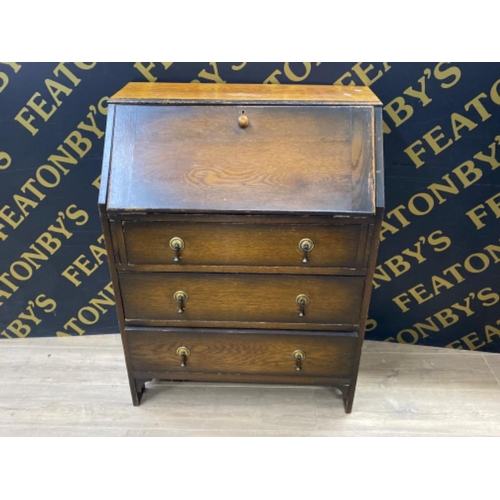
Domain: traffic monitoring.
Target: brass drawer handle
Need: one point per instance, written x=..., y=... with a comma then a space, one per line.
x=181, y=298
x=176, y=244
x=183, y=353
x=299, y=356
x=306, y=245
x=302, y=301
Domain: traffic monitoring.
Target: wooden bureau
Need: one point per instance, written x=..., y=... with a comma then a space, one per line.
x=242, y=225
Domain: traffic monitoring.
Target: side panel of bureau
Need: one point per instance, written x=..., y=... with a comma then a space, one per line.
x=260, y=301
x=240, y=352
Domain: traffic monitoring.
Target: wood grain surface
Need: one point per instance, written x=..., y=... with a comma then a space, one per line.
x=198, y=159
x=327, y=355
x=233, y=300
x=245, y=93
x=220, y=244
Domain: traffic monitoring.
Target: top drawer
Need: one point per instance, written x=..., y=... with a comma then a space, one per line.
x=296, y=246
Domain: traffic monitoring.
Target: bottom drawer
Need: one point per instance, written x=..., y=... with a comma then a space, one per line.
x=240, y=352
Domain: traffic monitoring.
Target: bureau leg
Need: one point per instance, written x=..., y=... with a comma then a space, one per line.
x=345, y=396
x=349, y=396
x=137, y=388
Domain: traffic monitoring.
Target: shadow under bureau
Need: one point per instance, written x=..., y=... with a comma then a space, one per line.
x=242, y=226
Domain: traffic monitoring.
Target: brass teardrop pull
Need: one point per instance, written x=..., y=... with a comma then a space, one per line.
x=183, y=353
x=176, y=244
x=180, y=297
x=302, y=300
x=306, y=245
x=299, y=357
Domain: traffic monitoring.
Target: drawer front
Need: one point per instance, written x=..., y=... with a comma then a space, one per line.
x=230, y=299
x=232, y=244
x=325, y=355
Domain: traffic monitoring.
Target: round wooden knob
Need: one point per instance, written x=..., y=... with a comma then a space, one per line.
x=243, y=121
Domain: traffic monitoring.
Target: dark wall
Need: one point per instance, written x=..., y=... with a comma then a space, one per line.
x=438, y=275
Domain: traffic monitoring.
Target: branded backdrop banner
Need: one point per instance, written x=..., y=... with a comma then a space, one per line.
x=437, y=280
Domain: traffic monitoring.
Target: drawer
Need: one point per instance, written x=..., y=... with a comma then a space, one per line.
x=262, y=301
x=259, y=353
x=236, y=244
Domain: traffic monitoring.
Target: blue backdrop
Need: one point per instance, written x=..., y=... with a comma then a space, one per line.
x=438, y=276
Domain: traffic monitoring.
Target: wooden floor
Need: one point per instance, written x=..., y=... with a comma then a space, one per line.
x=78, y=387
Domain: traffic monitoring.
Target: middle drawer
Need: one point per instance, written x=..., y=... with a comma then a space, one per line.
x=259, y=301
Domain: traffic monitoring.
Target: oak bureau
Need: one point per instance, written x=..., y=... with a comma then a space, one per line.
x=242, y=225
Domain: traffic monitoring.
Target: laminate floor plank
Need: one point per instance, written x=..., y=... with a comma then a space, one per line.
x=493, y=362
x=77, y=386
x=431, y=372
x=57, y=431
x=39, y=364
x=370, y=346
x=184, y=407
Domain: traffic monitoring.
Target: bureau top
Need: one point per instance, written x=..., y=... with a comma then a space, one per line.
x=213, y=148
x=172, y=93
